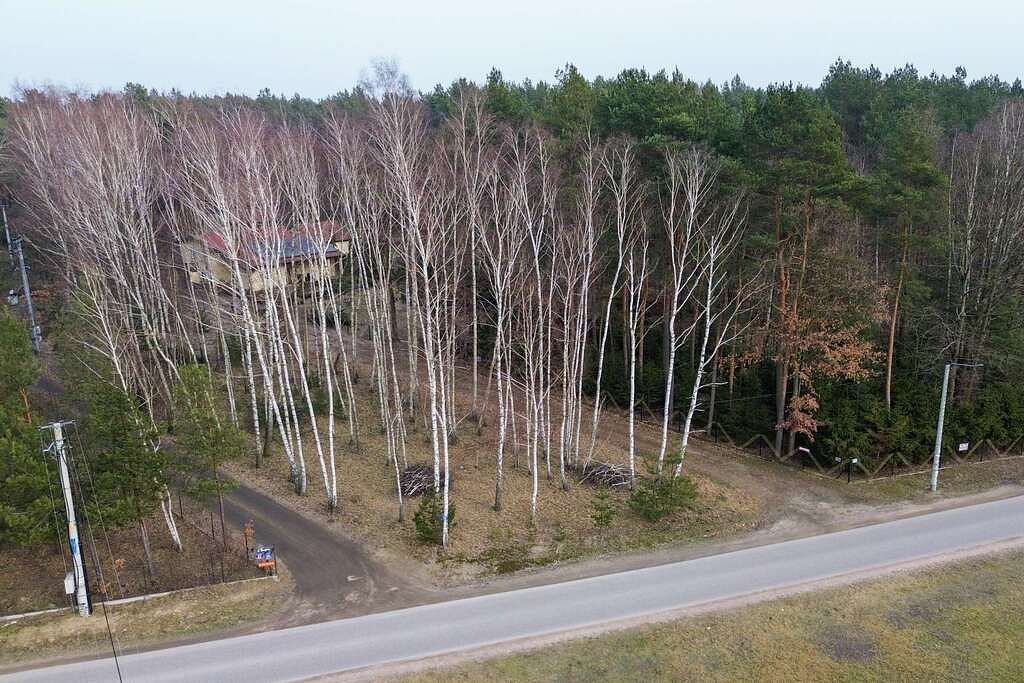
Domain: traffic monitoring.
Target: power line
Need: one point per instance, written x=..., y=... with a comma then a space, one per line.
x=92, y=535
x=53, y=509
x=99, y=511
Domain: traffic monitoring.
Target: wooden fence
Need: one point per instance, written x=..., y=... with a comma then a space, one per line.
x=881, y=466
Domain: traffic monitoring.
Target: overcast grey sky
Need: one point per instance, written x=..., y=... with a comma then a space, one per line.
x=317, y=47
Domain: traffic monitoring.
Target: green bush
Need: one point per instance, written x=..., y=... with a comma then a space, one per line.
x=428, y=518
x=604, y=508
x=656, y=497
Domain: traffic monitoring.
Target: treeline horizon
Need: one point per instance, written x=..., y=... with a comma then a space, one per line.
x=534, y=92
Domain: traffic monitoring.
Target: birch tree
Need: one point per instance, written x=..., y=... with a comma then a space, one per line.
x=618, y=165
x=691, y=178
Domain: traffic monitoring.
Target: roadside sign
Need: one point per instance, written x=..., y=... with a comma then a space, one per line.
x=963, y=447
x=264, y=557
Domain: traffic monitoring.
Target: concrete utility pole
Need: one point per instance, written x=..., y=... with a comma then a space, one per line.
x=937, y=453
x=7, y=230
x=34, y=332
x=59, y=450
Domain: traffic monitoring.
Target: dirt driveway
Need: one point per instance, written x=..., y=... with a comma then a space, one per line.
x=334, y=576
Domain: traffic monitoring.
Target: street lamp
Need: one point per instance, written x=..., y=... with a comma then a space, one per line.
x=936, y=454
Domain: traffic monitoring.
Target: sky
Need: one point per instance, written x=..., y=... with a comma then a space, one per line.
x=318, y=47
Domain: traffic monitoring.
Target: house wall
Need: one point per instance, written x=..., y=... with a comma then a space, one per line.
x=203, y=265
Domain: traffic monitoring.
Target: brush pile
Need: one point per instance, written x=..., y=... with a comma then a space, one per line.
x=418, y=479
x=603, y=474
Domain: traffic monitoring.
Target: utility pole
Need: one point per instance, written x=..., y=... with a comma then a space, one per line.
x=7, y=230
x=34, y=331
x=59, y=450
x=937, y=453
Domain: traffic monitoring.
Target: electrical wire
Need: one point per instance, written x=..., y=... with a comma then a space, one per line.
x=53, y=508
x=99, y=511
x=110, y=633
x=85, y=512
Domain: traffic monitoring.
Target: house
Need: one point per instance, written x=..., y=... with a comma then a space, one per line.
x=293, y=252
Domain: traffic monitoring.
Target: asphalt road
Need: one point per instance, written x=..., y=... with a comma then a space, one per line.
x=418, y=632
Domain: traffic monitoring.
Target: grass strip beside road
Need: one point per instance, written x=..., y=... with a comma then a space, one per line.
x=960, y=621
x=145, y=623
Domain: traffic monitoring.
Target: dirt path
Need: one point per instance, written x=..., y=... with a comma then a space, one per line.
x=334, y=576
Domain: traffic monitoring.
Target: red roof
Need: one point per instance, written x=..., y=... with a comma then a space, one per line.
x=294, y=243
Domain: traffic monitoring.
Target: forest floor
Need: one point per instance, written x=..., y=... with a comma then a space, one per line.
x=484, y=542
x=960, y=621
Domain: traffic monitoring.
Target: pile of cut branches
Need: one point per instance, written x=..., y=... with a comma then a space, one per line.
x=418, y=479
x=603, y=474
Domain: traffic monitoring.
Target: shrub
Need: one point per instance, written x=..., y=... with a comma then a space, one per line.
x=604, y=508
x=428, y=518
x=654, y=498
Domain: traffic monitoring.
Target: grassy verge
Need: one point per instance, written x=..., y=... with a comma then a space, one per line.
x=145, y=623
x=953, y=481
x=963, y=621
x=959, y=479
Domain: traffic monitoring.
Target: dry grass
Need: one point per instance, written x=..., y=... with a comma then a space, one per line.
x=483, y=540
x=958, y=480
x=953, y=623
x=146, y=623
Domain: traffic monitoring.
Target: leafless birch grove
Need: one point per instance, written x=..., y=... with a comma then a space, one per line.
x=383, y=272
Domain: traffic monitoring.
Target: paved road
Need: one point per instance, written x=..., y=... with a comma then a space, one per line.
x=388, y=637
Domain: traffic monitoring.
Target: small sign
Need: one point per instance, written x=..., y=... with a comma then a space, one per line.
x=69, y=583
x=264, y=557
x=963, y=447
